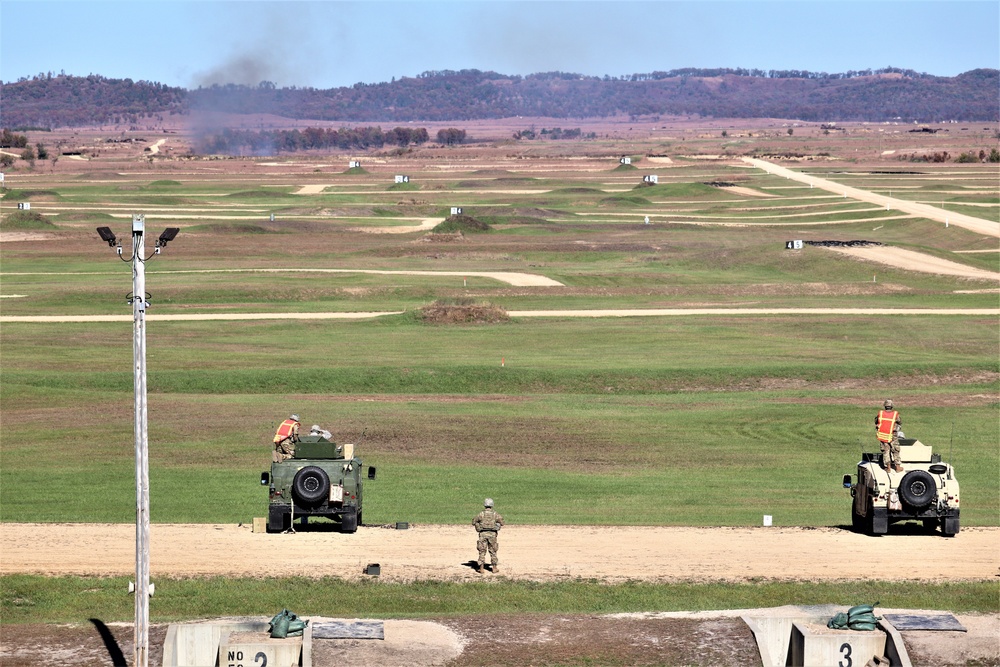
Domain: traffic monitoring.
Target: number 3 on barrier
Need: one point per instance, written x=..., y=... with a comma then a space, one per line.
x=845, y=648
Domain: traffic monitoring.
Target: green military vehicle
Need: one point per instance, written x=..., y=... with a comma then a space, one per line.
x=321, y=479
x=925, y=491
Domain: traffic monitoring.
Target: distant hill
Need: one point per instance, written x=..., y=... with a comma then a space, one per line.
x=886, y=94
x=68, y=101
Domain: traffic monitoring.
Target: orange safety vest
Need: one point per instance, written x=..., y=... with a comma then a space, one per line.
x=286, y=430
x=886, y=425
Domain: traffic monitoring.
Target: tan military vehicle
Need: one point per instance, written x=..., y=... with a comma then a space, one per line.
x=925, y=491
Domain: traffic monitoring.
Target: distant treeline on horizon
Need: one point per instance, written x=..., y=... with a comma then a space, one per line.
x=887, y=94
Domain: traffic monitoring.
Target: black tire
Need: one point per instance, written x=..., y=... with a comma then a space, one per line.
x=930, y=525
x=857, y=521
x=311, y=486
x=917, y=489
x=349, y=521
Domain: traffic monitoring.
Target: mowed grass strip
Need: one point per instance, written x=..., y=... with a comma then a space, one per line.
x=676, y=267
x=659, y=353
x=678, y=411
x=35, y=599
x=683, y=458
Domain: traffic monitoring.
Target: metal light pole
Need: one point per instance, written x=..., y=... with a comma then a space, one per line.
x=137, y=298
x=141, y=443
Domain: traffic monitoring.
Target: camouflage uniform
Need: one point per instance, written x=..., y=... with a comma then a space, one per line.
x=487, y=524
x=285, y=439
x=887, y=425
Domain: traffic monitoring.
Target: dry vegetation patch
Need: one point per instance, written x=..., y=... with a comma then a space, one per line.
x=456, y=237
x=463, y=311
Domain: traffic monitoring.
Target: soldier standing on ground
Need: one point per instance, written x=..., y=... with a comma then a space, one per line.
x=887, y=425
x=488, y=523
x=285, y=438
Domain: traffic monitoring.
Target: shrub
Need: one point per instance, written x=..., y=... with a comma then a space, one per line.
x=461, y=223
x=462, y=311
x=26, y=220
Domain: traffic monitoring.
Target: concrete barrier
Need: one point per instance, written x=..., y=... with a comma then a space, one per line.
x=798, y=637
x=253, y=649
x=233, y=643
x=815, y=645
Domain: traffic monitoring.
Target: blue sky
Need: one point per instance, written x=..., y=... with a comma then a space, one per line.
x=332, y=43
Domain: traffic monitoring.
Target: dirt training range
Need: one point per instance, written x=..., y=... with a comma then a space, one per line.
x=530, y=553
x=537, y=553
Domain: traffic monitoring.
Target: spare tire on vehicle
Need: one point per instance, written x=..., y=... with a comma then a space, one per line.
x=917, y=489
x=311, y=485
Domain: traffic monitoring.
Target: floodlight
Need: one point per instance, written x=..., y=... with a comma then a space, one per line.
x=168, y=235
x=107, y=235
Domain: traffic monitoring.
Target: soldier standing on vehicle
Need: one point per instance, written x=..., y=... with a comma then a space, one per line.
x=285, y=438
x=488, y=523
x=887, y=425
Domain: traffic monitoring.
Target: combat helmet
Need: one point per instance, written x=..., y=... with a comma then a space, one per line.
x=488, y=502
x=294, y=418
x=888, y=404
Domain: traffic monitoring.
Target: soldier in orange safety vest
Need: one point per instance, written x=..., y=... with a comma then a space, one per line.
x=887, y=424
x=285, y=439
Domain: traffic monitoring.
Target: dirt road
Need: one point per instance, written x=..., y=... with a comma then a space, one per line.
x=647, y=312
x=978, y=225
x=916, y=261
x=515, y=278
x=425, y=225
x=539, y=553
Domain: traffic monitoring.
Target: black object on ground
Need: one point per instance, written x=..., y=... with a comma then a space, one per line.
x=945, y=622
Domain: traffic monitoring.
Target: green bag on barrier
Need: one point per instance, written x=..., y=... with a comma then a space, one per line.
x=838, y=622
x=860, y=617
x=287, y=624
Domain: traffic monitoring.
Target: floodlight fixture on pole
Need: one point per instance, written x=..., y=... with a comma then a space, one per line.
x=107, y=235
x=138, y=298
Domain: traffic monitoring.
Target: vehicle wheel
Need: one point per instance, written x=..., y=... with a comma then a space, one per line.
x=917, y=489
x=930, y=525
x=349, y=521
x=360, y=522
x=857, y=521
x=311, y=485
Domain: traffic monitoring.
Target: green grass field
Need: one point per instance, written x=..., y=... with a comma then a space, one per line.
x=34, y=599
x=665, y=419
x=676, y=407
